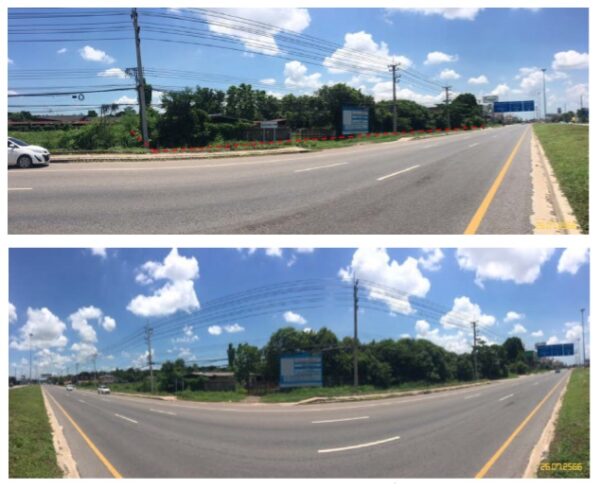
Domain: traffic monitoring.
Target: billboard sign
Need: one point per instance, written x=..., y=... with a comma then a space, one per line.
x=268, y=124
x=555, y=350
x=302, y=369
x=514, y=106
x=489, y=99
x=355, y=120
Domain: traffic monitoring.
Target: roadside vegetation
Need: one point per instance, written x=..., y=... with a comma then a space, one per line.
x=30, y=448
x=567, y=149
x=203, y=116
x=569, y=455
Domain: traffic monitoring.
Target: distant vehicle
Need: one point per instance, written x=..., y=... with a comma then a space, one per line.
x=557, y=370
x=103, y=390
x=25, y=155
x=70, y=387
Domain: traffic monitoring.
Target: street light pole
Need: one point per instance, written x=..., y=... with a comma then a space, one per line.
x=544, y=90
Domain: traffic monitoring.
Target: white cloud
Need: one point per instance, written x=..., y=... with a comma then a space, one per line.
x=124, y=99
x=432, y=259
x=531, y=78
x=100, y=252
x=537, y=333
x=520, y=265
x=50, y=361
x=572, y=259
x=291, y=317
x=448, y=74
x=273, y=20
x=141, y=362
x=513, y=316
x=373, y=55
x=10, y=61
x=12, y=313
x=215, y=330
x=448, y=13
x=570, y=60
x=553, y=340
x=235, y=328
x=501, y=89
x=113, y=73
x=296, y=76
x=274, y=252
x=480, y=80
x=62, y=51
x=268, y=81
x=79, y=323
x=437, y=57
x=89, y=53
x=384, y=91
x=188, y=336
x=464, y=312
x=177, y=294
x=47, y=329
x=518, y=329
x=109, y=324
x=375, y=265
x=186, y=354
x=457, y=342
x=305, y=250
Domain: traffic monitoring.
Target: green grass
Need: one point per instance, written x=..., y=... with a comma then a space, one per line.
x=211, y=396
x=30, y=449
x=297, y=394
x=571, y=443
x=567, y=148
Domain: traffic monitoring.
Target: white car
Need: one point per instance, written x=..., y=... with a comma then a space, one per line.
x=25, y=155
x=103, y=390
x=70, y=387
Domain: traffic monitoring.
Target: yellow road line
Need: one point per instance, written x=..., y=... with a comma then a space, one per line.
x=483, y=471
x=489, y=197
x=113, y=471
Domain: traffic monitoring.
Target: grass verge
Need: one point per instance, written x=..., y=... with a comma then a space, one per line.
x=567, y=148
x=569, y=455
x=30, y=448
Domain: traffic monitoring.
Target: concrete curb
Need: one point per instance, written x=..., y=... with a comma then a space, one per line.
x=552, y=213
x=64, y=458
x=382, y=396
x=540, y=450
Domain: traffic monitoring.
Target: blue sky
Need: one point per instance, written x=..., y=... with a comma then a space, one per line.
x=483, y=51
x=78, y=302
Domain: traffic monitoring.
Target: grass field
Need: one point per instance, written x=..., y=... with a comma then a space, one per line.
x=567, y=148
x=30, y=448
x=570, y=448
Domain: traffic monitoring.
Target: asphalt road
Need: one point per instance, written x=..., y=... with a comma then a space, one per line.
x=429, y=186
x=450, y=434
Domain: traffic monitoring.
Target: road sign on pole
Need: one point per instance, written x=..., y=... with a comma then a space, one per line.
x=555, y=350
x=490, y=99
x=301, y=369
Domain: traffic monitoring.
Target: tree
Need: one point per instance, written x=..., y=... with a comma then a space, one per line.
x=247, y=362
x=92, y=113
x=514, y=349
x=183, y=121
x=230, y=356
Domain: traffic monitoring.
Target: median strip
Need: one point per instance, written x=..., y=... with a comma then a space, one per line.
x=359, y=446
x=126, y=418
x=398, y=173
x=339, y=420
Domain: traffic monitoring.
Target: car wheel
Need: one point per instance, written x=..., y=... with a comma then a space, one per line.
x=25, y=161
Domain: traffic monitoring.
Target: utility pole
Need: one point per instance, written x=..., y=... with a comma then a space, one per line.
x=393, y=67
x=475, y=350
x=583, y=334
x=95, y=356
x=447, y=89
x=30, y=336
x=544, y=90
x=581, y=101
x=355, y=333
x=76, y=372
x=149, y=331
x=140, y=78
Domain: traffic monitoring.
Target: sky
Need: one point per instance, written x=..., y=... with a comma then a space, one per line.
x=482, y=51
x=78, y=303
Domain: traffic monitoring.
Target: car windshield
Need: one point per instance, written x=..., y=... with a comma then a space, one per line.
x=18, y=142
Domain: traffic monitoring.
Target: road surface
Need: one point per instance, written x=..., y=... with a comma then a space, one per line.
x=437, y=185
x=452, y=434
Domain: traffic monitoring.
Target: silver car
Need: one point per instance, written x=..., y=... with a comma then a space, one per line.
x=25, y=155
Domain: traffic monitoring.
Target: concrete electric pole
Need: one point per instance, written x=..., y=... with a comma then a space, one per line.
x=447, y=89
x=95, y=370
x=355, y=290
x=149, y=332
x=544, y=90
x=583, y=334
x=140, y=78
x=475, y=350
x=393, y=68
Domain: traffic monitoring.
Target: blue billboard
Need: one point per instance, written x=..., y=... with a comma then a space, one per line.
x=515, y=106
x=355, y=119
x=301, y=369
x=555, y=350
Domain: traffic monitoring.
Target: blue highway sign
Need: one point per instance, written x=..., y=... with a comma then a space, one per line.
x=514, y=106
x=554, y=350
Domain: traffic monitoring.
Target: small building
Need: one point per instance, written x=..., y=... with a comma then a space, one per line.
x=217, y=380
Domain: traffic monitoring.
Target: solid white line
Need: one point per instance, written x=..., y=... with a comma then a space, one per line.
x=20, y=188
x=338, y=420
x=472, y=396
x=474, y=144
x=505, y=397
x=358, y=446
x=126, y=418
x=322, y=166
x=398, y=173
x=162, y=411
